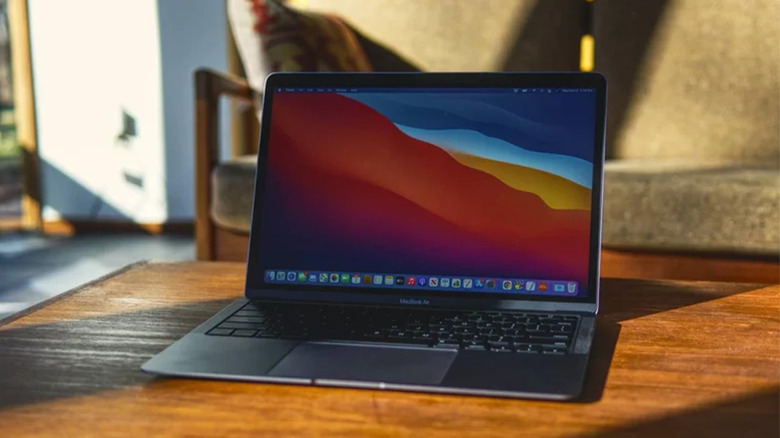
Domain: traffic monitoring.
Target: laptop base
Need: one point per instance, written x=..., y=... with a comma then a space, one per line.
x=375, y=366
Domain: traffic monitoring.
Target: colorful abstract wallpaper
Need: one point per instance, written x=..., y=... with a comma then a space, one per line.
x=461, y=183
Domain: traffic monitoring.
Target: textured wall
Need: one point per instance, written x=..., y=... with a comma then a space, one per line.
x=99, y=64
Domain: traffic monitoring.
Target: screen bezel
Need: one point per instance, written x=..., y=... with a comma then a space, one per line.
x=405, y=296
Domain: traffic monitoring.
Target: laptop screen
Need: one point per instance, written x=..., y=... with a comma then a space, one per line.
x=438, y=190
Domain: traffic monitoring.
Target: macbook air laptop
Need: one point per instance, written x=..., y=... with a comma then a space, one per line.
x=434, y=232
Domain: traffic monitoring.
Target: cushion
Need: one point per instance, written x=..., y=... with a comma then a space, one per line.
x=660, y=205
x=302, y=41
x=271, y=36
x=470, y=35
x=232, y=188
x=677, y=206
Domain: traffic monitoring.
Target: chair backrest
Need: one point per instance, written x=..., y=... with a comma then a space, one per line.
x=694, y=80
x=469, y=35
x=444, y=35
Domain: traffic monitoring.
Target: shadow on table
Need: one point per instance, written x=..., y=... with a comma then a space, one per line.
x=607, y=334
x=45, y=362
x=624, y=299
x=646, y=298
x=754, y=415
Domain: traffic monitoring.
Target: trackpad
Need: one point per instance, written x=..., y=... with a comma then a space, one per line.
x=319, y=360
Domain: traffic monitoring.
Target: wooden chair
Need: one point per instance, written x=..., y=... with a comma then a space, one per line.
x=212, y=242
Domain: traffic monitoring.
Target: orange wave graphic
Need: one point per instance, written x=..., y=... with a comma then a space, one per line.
x=557, y=192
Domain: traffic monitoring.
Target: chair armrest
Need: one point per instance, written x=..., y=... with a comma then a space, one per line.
x=213, y=84
x=209, y=87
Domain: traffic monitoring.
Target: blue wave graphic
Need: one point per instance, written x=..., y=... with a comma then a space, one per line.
x=556, y=123
x=475, y=143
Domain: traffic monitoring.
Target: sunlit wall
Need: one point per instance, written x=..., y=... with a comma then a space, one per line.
x=114, y=104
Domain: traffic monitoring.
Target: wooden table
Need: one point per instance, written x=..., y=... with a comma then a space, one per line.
x=670, y=359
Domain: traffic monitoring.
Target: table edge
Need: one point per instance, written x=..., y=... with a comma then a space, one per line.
x=38, y=306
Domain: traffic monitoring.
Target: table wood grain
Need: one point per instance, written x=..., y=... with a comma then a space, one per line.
x=670, y=359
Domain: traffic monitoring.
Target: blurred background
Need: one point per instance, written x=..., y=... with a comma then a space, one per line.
x=128, y=128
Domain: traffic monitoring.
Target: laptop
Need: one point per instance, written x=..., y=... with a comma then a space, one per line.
x=435, y=232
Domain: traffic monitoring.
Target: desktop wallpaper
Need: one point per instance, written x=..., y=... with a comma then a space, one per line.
x=460, y=183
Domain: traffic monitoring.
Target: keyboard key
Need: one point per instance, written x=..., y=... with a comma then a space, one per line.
x=495, y=345
x=220, y=332
x=241, y=326
x=546, y=340
x=449, y=340
x=251, y=319
x=452, y=345
x=251, y=314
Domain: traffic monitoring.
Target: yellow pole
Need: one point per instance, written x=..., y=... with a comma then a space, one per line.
x=587, y=44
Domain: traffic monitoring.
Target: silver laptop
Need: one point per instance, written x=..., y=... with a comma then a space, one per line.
x=434, y=232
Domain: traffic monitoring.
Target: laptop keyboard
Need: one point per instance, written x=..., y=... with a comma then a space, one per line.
x=507, y=332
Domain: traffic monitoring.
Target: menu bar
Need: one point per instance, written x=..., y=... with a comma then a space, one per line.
x=520, y=90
